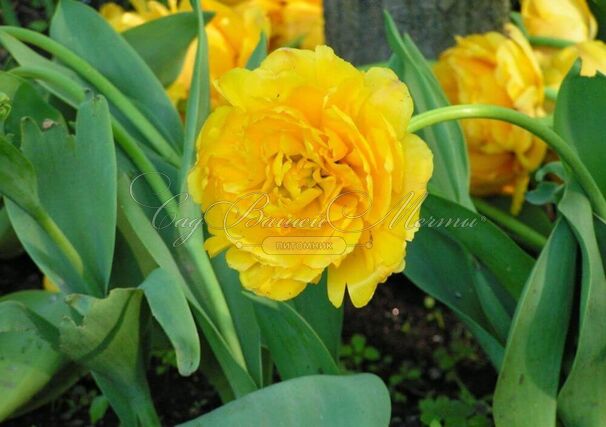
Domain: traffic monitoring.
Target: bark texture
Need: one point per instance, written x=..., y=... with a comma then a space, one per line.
x=354, y=28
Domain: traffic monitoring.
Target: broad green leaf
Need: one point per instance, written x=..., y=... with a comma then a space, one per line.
x=318, y=400
x=107, y=341
x=18, y=178
x=295, y=347
x=28, y=363
x=488, y=243
x=527, y=388
x=169, y=306
x=67, y=169
x=26, y=101
x=582, y=399
x=81, y=29
x=259, y=54
x=443, y=269
x=451, y=169
x=313, y=305
x=163, y=43
x=578, y=119
x=244, y=316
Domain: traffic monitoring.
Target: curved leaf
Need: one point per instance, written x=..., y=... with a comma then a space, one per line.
x=527, y=388
x=582, y=399
x=319, y=401
x=294, y=345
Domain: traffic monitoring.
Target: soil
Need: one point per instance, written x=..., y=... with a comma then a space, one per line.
x=397, y=322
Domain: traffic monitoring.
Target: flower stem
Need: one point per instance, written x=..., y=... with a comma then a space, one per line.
x=551, y=138
x=106, y=87
x=65, y=246
x=550, y=42
x=522, y=231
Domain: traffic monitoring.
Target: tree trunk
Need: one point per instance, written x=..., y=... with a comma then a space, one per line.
x=354, y=28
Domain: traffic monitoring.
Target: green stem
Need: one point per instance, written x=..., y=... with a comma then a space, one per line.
x=550, y=42
x=65, y=246
x=102, y=84
x=522, y=231
x=551, y=138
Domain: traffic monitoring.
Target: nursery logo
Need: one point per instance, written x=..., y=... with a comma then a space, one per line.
x=250, y=221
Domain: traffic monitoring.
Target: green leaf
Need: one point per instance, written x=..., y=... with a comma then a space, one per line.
x=326, y=320
x=527, y=388
x=259, y=54
x=27, y=361
x=245, y=321
x=107, y=341
x=18, y=178
x=169, y=307
x=294, y=345
x=319, y=401
x=198, y=107
x=81, y=29
x=578, y=119
x=67, y=169
x=26, y=102
x=443, y=269
x=582, y=399
x=163, y=43
x=27, y=57
x=451, y=169
x=488, y=243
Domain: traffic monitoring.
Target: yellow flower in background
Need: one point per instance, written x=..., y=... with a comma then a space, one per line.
x=564, y=19
x=297, y=23
x=593, y=58
x=144, y=11
x=307, y=151
x=498, y=69
x=233, y=34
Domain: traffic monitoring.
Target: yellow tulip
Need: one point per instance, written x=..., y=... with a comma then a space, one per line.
x=312, y=155
x=497, y=69
x=563, y=19
x=233, y=34
x=557, y=66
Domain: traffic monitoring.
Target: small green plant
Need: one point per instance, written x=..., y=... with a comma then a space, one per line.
x=357, y=352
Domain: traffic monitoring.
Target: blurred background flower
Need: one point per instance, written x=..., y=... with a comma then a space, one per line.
x=498, y=69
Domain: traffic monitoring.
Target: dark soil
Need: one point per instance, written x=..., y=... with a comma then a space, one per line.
x=410, y=338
